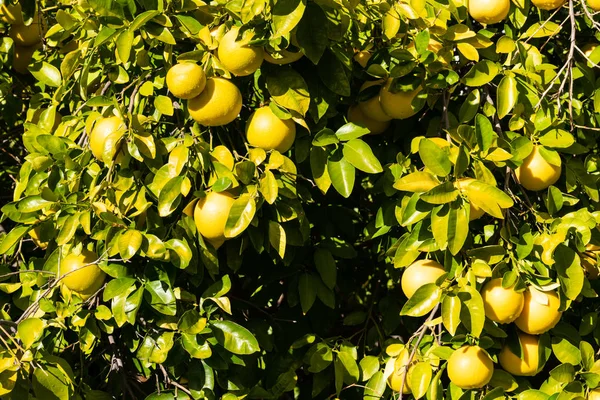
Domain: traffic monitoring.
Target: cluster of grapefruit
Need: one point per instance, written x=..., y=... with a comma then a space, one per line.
x=533, y=311
x=27, y=38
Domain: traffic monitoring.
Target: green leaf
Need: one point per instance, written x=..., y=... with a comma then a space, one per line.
x=420, y=378
x=68, y=229
x=191, y=322
x=481, y=73
x=241, y=214
x=129, y=243
x=506, y=95
x=360, y=155
x=326, y=267
x=46, y=73
x=288, y=89
x=161, y=297
x=441, y=194
x=570, y=273
x=470, y=106
x=342, y=174
x=434, y=158
x=124, y=44
x=420, y=181
x=473, y=313
x=541, y=29
x=318, y=166
x=487, y=197
x=350, y=368
x=451, y=313
x=350, y=131
x=116, y=287
x=164, y=104
x=33, y=203
x=368, y=367
x=180, y=252
x=52, y=383
x=557, y=138
x=375, y=387
x=450, y=226
x=196, y=346
x=234, y=338
x=170, y=196
x=484, y=132
x=286, y=15
x=268, y=187
x=423, y=301
x=12, y=238
x=308, y=291
x=312, y=33
x=277, y=238
x=333, y=74
x=564, y=373
x=30, y=331
x=142, y=18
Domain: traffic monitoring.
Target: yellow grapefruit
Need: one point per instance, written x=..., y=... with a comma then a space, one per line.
x=219, y=103
x=501, y=305
x=537, y=318
x=372, y=107
x=528, y=365
x=236, y=56
x=266, y=131
x=356, y=115
x=22, y=57
x=536, y=173
x=210, y=216
x=548, y=4
x=28, y=35
x=470, y=367
x=420, y=273
x=80, y=275
x=186, y=80
x=594, y=394
x=398, y=105
x=400, y=367
x=594, y=4
x=489, y=11
x=105, y=134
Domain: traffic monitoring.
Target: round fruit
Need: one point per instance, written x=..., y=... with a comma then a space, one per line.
x=80, y=274
x=265, y=130
x=398, y=105
x=356, y=116
x=501, y=305
x=27, y=35
x=237, y=57
x=589, y=48
x=420, y=273
x=211, y=215
x=594, y=394
x=224, y=156
x=536, y=173
x=219, y=103
x=186, y=80
x=22, y=57
x=461, y=184
x=11, y=14
x=548, y=4
x=489, y=11
x=362, y=58
x=537, y=318
x=106, y=133
x=470, y=367
x=528, y=365
x=372, y=107
x=285, y=57
x=396, y=378
x=594, y=4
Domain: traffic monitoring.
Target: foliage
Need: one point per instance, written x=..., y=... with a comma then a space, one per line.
x=303, y=299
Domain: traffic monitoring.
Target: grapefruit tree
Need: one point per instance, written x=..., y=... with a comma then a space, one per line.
x=299, y=199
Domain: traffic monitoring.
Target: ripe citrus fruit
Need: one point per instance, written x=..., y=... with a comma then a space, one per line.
x=536, y=173
x=372, y=107
x=186, y=80
x=501, y=305
x=588, y=49
x=356, y=115
x=265, y=130
x=537, y=318
x=396, y=378
x=594, y=4
x=211, y=215
x=105, y=134
x=27, y=35
x=236, y=56
x=528, y=365
x=489, y=11
x=470, y=367
x=594, y=394
x=420, y=273
x=11, y=14
x=284, y=57
x=362, y=58
x=22, y=57
x=398, y=105
x=548, y=4
x=219, y=103
x=461, y=184
x=224, y=156
x=80, y=277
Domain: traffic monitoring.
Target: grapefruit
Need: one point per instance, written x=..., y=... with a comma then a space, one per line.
x=266, y=131
x=420, y=273
x=210, y=216
x=186, y=80
x=536, y=173
x=219, y=103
